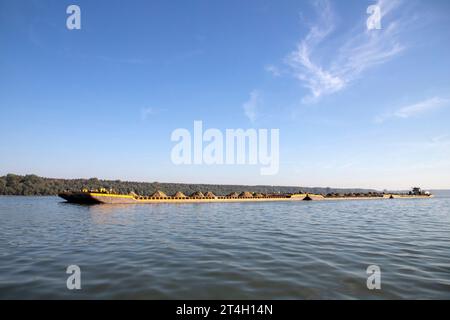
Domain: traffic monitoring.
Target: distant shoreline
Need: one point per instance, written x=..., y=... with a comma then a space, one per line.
x=33, y=185
x=12, y=184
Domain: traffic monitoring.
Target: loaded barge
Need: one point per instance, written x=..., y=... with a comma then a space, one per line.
x=109, y=197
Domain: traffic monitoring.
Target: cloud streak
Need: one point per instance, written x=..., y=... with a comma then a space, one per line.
x=146, y=112
x=251, y=106
x=360, y=51
x=273, y=70
x=415, y=109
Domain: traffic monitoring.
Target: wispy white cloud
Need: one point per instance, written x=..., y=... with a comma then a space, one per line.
x=273, y=70
x=420, y=107
x=443, y=139
x=251, y=106
x=414, y=109
x=360, y=50
x=147, y=112
x=441, y=142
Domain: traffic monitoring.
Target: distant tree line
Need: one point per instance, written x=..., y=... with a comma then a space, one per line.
x=32, y=185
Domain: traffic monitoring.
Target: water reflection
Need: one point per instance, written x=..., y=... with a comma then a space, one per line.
x=238, y=250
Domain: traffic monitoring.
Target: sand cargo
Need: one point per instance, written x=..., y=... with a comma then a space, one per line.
x=109, y=197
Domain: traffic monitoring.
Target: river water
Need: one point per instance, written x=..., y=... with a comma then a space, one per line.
x=290, y=250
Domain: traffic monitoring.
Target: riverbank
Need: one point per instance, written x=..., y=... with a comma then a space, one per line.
x=33, y=185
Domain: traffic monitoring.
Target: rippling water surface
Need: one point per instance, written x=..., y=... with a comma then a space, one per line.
x=291, y=250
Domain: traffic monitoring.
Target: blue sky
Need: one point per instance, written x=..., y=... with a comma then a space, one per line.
x=355, y=108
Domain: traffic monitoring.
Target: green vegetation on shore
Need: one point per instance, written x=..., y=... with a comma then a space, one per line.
x=30, y=185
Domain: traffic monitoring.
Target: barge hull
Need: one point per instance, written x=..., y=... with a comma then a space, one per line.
x=79, y=197
x=106, y=198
